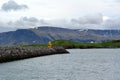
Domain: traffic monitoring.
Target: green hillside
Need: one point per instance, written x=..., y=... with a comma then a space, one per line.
x=69, y=44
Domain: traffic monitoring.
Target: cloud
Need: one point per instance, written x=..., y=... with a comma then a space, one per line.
x=89, y=19
x=97, y=21
x=12, y=5
x=117, y=0
x=22, y=23
x=25, y=22
x=112, y=24
x=4, y=29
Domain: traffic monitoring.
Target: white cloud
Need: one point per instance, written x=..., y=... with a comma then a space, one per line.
x=89, y=19
x=12, y=5
x=62, y=13
x=22, y=23
x=105, y=18
x=97, y=21
x=25, y=22
x=112, y=24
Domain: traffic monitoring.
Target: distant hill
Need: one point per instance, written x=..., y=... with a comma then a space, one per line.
x=44, y=34
x=69, y=44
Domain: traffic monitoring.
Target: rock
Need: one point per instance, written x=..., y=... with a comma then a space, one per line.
x=15, y=52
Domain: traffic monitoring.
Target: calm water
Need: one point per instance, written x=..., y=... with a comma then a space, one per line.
x=81, y=64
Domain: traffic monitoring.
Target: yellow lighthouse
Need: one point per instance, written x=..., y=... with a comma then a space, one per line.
x=49, y=44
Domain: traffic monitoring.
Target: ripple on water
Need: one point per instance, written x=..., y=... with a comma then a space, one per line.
x=81, y=64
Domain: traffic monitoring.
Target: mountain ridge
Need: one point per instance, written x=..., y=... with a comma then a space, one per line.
x=47, y=33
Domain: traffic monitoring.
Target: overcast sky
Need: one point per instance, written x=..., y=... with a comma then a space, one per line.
x=80, y=14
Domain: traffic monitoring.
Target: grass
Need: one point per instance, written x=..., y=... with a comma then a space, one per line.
x=70, y=44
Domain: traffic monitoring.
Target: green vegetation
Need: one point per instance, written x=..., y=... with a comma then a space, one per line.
x=69, y=44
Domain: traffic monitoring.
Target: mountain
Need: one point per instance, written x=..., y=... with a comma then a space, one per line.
x=44, y=34
x=21, y=36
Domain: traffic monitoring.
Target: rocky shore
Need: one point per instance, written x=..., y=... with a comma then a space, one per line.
x=16, y=53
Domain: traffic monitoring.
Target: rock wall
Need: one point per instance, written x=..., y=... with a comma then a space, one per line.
x=16, y=53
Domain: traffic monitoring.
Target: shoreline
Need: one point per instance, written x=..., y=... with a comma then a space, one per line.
x=13, y=53
x=88, y=47
x=95, y=48
x=92, y=48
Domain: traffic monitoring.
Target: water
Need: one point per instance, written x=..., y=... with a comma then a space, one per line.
x=81, y=64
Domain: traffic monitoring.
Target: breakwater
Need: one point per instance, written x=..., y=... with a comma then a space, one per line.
x=17, y=53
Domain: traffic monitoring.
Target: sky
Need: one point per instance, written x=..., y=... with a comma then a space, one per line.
x=75, y=14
